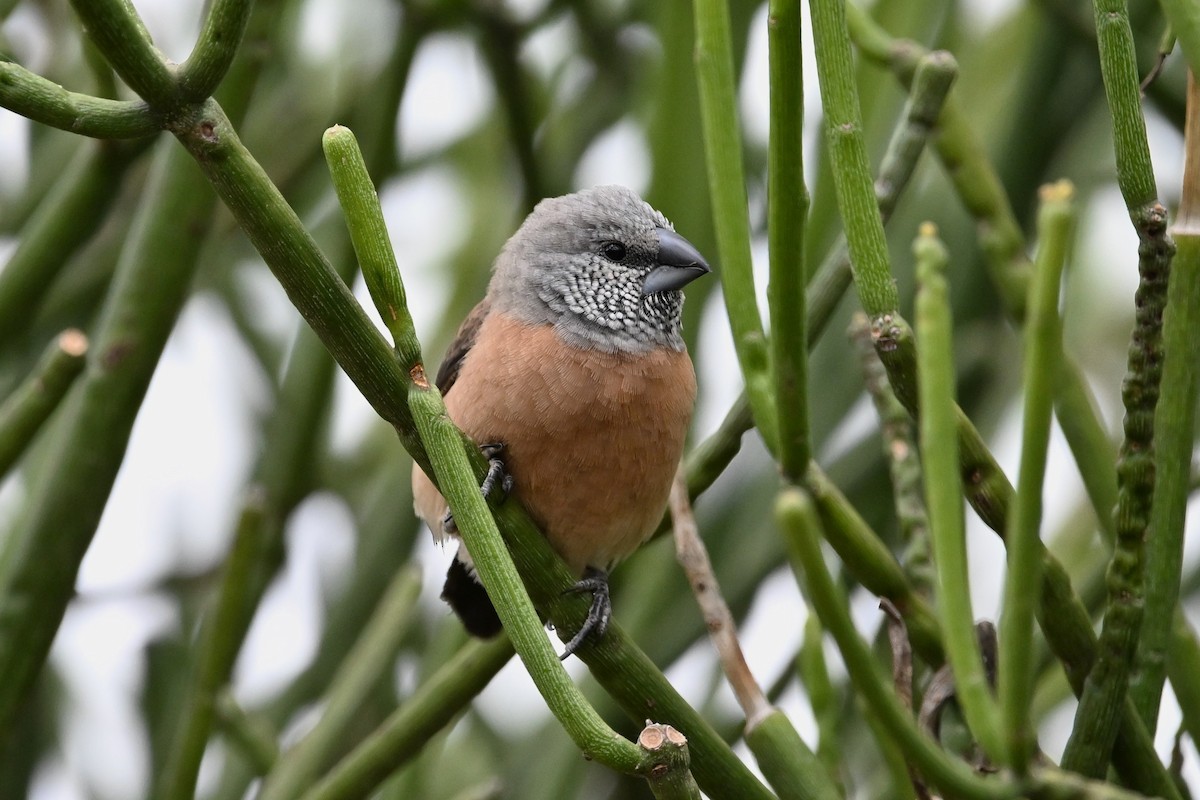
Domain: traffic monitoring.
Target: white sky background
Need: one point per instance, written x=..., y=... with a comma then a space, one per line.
x=193, y=500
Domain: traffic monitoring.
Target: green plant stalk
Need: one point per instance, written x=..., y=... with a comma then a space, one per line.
x=43, y=554
x=1118, y=66
x=787, y=212
x=459, y=486
x=46, y=102
x=1043, y=345
x=1174, y=425
x=220, y=36
x=708, y=459
x=872, y=564
x=929, y=91
x=1095, y=454
x=822, y=696
x=72, y=211
x=217, y=650
x=1184, y=18
x=1048, y=783
x=797, y=518
x=117, y=30
x=904, y=467
x=1183, y=665
x=372, y=245
x=787, y=762
x=25, y=411
x=666, y=763
x=727, y=186
x=943, y=493
x=1063, y=618
x=364, y=666
x=1089, y=749
x=253, y=736
x=402, y=735
x=848, y=154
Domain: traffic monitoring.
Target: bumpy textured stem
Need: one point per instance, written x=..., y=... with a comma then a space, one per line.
x=943, y=492
x=25, y=410
x=727, y=185
x=1174, y=431
x=900, y=449
x=1091, y=742
x=801, y=528
x=1043, y=352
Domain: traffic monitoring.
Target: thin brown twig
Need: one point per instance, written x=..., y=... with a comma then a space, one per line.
x=693, y=557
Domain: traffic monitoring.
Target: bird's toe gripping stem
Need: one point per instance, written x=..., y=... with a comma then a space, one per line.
x=599, y=615
x=497, y=477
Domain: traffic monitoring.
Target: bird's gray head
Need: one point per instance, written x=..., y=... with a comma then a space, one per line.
x=601, y=266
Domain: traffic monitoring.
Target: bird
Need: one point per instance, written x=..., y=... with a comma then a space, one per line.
x=573, y=377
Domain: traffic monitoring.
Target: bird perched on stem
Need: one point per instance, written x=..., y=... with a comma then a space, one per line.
x=574, y=379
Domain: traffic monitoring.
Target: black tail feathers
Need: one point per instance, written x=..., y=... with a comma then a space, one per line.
x=470, y=602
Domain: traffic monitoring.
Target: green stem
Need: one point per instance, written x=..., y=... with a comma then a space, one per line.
x=1043, y=343
x=372, y=245
x=666, y=763
x=904, y=468
x=801, y=527
x=219, y=644
x=402, y=735
x=727, y=185
x=46, y=102
x=868, y=559
x=1174, y=434
x=1185, y=22
x=23, y=412
x=824, y=699
x=1090, y=747
x=848, y=154
x=943, y=492
x=43, y=553
x=787, y=212
x=117, y=30
x=361, y=671
x=73, y=211
x=790, y=767
x=458, y=484
x=220, y=36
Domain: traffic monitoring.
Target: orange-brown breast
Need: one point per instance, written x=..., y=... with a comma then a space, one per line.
x=592, y=439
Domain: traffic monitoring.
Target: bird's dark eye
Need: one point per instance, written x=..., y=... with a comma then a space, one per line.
x=613, y=251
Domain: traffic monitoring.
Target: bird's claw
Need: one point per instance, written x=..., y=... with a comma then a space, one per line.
x=497, y=475
x=599, y=615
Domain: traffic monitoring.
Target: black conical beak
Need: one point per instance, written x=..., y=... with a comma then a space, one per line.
x=679, y=263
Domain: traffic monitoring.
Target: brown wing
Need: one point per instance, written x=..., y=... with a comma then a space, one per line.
x=464, y=340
